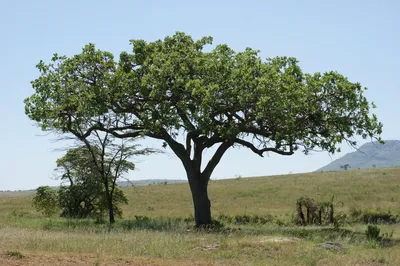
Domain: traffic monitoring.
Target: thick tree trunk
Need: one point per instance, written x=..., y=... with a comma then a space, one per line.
x=198, y=180
x=202, y=204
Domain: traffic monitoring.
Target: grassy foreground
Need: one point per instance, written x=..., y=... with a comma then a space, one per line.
x=166, y=238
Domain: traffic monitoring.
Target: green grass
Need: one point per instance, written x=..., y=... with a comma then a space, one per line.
x=166, y=238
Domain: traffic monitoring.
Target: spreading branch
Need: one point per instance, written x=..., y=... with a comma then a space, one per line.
x=215, y=159
x=261, y=151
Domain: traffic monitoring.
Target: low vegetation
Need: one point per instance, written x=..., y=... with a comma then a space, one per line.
x=255, y=224
x=15, y=254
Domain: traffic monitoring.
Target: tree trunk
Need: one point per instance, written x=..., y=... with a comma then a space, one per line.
x=110, y=204
x=198, y=180
x=111, y=211
x=202, y=205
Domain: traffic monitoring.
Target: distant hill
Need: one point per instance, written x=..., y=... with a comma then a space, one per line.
x=128, y=183
x=369, y=155
x=147, y=182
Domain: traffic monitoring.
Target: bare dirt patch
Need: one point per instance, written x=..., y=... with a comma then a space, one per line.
x=280, y=240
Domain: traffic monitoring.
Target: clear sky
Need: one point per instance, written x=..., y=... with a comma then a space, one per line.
x=358, y=38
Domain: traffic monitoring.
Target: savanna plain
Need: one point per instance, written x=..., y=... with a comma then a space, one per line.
x=255, y=224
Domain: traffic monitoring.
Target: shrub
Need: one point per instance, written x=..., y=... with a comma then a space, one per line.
x=371, y=217
x=372, y=233
x=214, y=226
x=310, y=212
x=46, y=201
x=379, y=218
x=88, y=201
x=15, y=254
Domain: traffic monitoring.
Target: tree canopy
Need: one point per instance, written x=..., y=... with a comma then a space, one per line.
x=217, y=96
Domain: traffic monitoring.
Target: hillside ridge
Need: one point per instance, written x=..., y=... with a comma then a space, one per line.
x=370, y=155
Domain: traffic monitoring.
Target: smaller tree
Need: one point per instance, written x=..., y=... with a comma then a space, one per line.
x=45, y=201
x=92, y=171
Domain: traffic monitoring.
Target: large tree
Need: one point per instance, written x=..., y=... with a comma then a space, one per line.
x=210, y=97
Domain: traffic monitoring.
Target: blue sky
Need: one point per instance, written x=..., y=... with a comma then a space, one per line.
x=356, y=38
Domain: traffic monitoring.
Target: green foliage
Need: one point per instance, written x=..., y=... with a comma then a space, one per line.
x=15, y=254
x=46, y=201
x=86, y=195
x=220, y=93
x=81, y=201
x=379, y=218
x=372, y=233
x=81, y=198
x=373, y=217
x=213, y=227
x=215, y=97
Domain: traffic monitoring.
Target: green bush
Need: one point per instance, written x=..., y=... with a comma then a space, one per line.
x=88, y=201
x=15, y=254
x=379, y=218
x=372, y=233
x=373, y=217
x=46, y=201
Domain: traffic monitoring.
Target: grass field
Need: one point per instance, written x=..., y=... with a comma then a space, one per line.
x=165, y=238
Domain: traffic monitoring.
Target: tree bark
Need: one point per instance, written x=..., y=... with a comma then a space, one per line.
x=198, y=180
x=201, y=202
x=111, y=211
x=110, y=205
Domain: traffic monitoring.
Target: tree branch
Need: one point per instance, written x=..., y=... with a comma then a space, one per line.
x=215, y=159
x=213, y=140
x=188, y=144
x=261, y=151
x=177, y=147
x=185, y=119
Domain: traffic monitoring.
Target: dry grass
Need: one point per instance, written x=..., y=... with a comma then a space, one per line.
x=160, y=248
x=276, y=195
x=67, y=259
x=369, y=189
x=25, y=231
